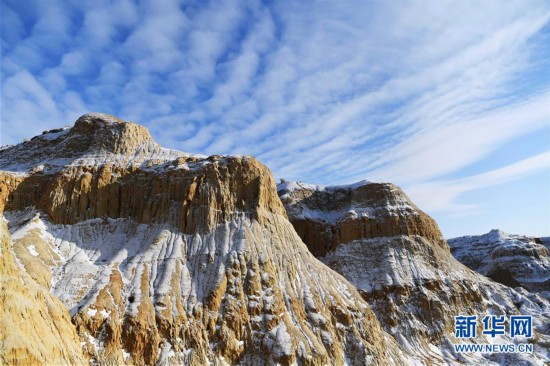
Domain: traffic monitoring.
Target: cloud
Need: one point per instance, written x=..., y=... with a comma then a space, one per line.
x=447, y=148
x=327, y=92
x=444, y=196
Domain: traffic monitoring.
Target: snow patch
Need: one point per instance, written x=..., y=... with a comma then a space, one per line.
x=32, y=250
x=91, y=312
x=290, y=186
x=105, y=314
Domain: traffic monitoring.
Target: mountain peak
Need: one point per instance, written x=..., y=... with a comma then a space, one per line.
x=95, y=138
x=496, y=234
x=111, y=133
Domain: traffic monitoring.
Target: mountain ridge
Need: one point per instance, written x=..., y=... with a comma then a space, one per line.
x=169, y=256
x=162, y=256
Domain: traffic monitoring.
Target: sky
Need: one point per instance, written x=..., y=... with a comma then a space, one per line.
x=450, y=100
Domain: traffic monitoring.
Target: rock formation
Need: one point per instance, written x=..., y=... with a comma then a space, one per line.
x=327, y=216
x=162, y=256
x=124, y=252
x=513, y=260
x=35, y=327
x=397, y=258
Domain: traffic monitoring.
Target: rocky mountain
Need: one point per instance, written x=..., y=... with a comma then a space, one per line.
x=395, y=255
x=162, y=257
x=513, y=260
x=327, y=216
x=118, y=251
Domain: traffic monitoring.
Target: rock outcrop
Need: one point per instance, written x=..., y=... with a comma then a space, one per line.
x=35, y=327
x=327, y=216
x=162, y=256
x=396, y=257
x=513, y=260
x=124, y=252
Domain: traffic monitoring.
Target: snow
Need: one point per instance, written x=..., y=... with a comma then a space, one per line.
x=91, y=312
x=101, y=116
x=523, y=257
x=125, y=355
x=54, y=151
x=91, y=250
x=290, y=186
x=333, y=205
x=50, y=135
x=32, y=250
x=165, y=353
x=94, y=342
x=282, y=345
x=105, y=314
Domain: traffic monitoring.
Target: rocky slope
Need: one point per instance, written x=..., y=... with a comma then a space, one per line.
x=327, y=216
x=35, y=327
x=513, y=260
x=163, y=257
x=396, y=257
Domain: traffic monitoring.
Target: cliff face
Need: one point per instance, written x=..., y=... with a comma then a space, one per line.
x=396, y=257
x=35, y=327
x=327, y=216
x=124, y=252
x=513, y=260
x=162, y=256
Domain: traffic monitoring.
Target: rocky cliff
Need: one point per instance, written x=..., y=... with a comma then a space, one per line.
x=35, y=327
x=124, y=252
x=327, y=216
x=166, y=257
x=513, y=260
x=395, y=255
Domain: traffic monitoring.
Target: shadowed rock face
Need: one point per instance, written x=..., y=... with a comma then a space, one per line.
x=165, y=256
x=328, y=216
x=395, y=256
x=513, y=260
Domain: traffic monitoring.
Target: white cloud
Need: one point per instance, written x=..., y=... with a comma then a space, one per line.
x=444, y=196
x=447, y=148
x=329, y=92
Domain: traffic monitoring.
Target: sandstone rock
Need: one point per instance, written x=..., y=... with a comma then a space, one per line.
x=327, y=216
x=395, y=256
x=162, y=256
x=35, y=327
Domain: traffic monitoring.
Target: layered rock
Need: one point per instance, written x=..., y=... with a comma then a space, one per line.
x=513, y=260
x=327, y=216
x=406, y=271
x=162, y=256
x=35, y=327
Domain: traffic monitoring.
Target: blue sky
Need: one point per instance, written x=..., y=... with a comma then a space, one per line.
x=448, y=99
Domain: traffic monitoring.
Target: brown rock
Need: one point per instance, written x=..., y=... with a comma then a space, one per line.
x=35, y=327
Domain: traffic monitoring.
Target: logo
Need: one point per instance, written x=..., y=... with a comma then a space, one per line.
x=466, y=327
x=521, y=326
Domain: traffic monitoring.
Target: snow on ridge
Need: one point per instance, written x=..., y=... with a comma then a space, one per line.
x=47, y=151
x=492, y=236
x=54, y=134
x=291, y=186
x=109, y=118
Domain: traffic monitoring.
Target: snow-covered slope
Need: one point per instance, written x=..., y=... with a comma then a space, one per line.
x=409, y=278
x=35, y=327
x=237, y=293
x=513, y=260
x=95, y=139
x=183, y=261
